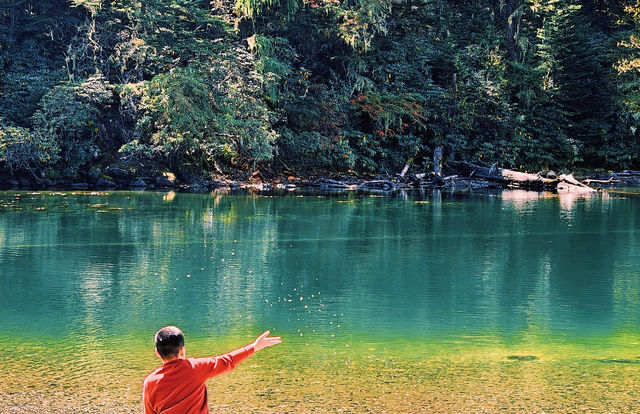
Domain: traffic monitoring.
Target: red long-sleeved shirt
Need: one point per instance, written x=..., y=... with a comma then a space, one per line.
x=178, y=386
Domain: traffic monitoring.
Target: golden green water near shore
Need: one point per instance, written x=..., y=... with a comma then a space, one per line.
x=487, y=302
x=369, y=376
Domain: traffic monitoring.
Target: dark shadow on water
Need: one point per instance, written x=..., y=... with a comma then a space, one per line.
x=522, y=357
x=620, y=361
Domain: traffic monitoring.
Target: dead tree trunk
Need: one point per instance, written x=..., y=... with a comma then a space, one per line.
x=437, y=160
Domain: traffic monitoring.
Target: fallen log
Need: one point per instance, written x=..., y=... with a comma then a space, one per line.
x=517, y=179
x=502, y=175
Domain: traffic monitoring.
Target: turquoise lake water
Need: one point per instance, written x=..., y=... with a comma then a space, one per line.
x=344, y=276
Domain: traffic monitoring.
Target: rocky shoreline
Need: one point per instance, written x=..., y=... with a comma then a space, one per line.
x=115, y=178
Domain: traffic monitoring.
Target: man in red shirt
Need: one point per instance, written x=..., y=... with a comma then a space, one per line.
x=178, y=386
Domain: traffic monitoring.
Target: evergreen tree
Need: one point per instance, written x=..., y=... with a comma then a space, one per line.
x=628, y=70
x=577, y=77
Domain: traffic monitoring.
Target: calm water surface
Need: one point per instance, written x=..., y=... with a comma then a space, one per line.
x=353, y=283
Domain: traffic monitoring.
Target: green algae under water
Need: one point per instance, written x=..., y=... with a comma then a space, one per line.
x=436, y=302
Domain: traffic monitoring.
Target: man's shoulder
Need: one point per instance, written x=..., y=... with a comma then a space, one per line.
x=152, y=376
x=176, y=367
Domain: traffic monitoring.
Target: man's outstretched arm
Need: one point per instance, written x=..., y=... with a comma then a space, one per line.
x=224, y=363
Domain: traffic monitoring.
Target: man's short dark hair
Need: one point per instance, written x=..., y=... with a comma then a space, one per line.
x=169, y=340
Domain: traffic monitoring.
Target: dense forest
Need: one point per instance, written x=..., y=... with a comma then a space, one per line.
x=202, y=87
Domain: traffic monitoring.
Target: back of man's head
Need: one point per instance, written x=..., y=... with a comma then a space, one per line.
x=169, y=340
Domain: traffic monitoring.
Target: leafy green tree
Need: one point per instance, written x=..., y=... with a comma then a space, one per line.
x=25, y=152
x=71, y=115
x=198, y=115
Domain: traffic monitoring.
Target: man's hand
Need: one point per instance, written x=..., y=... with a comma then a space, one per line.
x=264, y=341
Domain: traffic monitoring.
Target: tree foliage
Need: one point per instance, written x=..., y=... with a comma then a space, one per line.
x=333, y=85
x=25, y=152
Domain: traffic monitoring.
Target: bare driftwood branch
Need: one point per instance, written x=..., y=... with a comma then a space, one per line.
x=611, y=180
